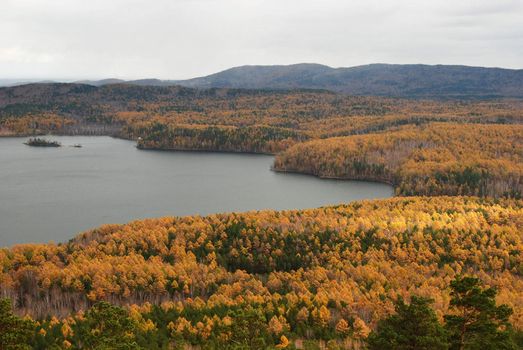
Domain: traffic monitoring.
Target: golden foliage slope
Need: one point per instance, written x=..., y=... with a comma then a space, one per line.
x=342, y=262
x=433, y=159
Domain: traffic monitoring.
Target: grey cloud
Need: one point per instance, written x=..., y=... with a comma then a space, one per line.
x=484, y=7
x=172, y=39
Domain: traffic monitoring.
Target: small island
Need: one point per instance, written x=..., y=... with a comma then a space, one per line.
x=38, y=142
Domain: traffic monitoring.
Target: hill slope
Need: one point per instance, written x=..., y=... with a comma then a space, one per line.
x=310, y=268
x=374, y=79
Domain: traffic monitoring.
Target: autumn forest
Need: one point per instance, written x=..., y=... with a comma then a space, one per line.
x=448, y=245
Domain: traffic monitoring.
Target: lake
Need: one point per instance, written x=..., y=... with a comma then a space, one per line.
x=51, y=194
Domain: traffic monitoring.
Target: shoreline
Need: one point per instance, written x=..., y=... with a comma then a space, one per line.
x=375, y=180
x=190, y=150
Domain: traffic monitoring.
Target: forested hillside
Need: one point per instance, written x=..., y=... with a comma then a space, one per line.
x=130, y=110
x=320, y=274
x=433, y=159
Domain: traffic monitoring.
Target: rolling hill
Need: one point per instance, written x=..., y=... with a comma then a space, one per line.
x=374, y=79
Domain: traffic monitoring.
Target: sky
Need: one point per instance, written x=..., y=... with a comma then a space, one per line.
x=179, y=39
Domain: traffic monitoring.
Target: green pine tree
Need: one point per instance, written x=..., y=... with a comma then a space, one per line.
x=107, y=327
x=413, y=327
x=476, y=322
x=249, y=330
x=15, y=332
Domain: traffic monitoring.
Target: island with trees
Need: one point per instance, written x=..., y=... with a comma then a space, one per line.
x=39, y=142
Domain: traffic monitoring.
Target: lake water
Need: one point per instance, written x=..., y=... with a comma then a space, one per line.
x=51, y=194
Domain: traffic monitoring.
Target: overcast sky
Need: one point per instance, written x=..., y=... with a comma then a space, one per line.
x=175, y=39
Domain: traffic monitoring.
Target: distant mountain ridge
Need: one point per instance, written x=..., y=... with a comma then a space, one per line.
x=375, y=79
x=391, y=80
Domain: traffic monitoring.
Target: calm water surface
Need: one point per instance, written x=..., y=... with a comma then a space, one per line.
x=54, y=193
